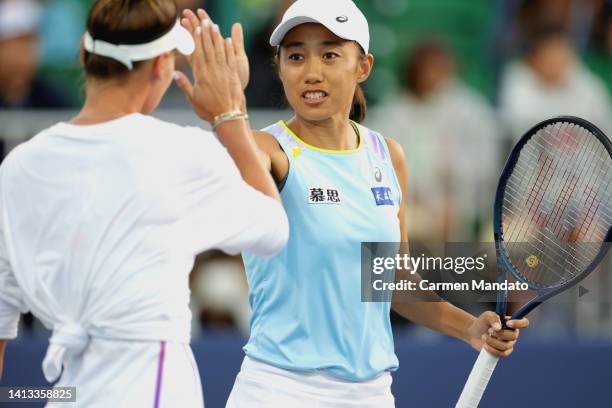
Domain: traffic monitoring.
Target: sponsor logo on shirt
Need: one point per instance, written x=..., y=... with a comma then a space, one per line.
x=377, y=174
x=321, y=195
x=382, y=195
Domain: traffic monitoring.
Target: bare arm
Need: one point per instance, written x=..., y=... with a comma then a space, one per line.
x=434, y=314
x=273, y=157
x=217, y=89
x=237, y=138
x=483, y=331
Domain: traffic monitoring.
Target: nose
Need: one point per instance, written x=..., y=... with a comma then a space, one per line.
x=314, y=72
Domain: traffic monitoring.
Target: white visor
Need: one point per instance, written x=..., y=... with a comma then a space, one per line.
x=178, y=38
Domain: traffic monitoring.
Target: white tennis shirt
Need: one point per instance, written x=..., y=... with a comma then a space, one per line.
x=100, y=225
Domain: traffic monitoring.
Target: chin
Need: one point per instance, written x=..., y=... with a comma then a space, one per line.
x=314, y=114
x=313, y=118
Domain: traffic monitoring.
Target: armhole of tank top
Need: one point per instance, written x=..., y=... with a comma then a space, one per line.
x=357, y=132
x=281, y=183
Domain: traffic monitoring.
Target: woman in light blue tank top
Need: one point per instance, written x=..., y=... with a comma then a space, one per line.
x=341, y=184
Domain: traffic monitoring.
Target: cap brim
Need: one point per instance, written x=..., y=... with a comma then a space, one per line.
x=283, y=28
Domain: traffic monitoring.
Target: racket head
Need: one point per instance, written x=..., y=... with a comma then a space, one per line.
x=553, y=201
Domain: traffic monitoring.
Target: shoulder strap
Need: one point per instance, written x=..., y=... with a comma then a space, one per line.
x=376, y=142
x=286, y=141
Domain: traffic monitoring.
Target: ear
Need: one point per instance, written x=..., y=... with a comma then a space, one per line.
x=277, y=63
x=159, y=65
x=365, y=68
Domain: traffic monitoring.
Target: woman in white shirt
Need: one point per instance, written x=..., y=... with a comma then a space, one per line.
x=103, y=215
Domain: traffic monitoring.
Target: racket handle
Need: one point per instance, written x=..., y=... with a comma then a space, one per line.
x=478, y=380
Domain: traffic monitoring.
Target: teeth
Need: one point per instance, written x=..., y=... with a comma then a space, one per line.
x=314, y=95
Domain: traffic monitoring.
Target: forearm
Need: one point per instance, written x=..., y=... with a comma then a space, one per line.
x=426, y=308
x=237, y=138
x=439, y=316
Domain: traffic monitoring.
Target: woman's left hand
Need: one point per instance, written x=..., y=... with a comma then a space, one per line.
x=486, y=331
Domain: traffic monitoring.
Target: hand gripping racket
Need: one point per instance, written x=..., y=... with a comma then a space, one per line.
x=552, y=219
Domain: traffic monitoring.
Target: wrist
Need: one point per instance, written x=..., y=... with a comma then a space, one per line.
x=465, y=331
x=230, y=128
x=229, y=116
x=458, y=323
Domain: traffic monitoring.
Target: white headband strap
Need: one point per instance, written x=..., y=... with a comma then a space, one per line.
x=177, y=38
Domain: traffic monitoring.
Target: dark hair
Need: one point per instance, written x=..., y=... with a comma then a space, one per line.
x=543, y=34
x=126, y=22
x=359, y=107
x=415, y=60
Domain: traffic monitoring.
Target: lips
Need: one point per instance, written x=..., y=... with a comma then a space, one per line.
x=314, y=96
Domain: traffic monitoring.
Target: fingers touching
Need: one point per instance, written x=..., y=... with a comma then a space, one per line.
x=238, y=39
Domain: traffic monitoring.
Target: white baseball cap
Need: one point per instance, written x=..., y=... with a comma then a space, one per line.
x=177, y=38
x=19, y=17
x=341, y=17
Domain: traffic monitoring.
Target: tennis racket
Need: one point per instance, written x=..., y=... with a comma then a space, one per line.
x=552, y=219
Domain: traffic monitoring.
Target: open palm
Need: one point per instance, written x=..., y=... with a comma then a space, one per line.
x=242, y=61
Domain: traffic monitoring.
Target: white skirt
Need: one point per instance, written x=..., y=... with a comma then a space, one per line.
x=118, y=374
x=260, y=385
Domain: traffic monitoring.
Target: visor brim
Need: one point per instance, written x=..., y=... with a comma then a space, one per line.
x=183, y=40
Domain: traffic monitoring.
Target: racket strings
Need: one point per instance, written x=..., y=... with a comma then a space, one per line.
x=569, y=253
x=543, y=174
x=536, y=198
x=556, y=209
x=555, y=220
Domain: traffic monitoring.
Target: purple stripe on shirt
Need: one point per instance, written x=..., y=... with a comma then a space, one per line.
x=378, y=147
x=160, y=372
x=383, y=151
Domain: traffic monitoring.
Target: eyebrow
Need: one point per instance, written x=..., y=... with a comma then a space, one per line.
x=293, y=44
x=334, y=43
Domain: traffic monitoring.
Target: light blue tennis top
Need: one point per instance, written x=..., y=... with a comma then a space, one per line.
x=306, y=300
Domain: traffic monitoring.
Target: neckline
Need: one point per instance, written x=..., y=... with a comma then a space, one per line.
x=321, y=150
x=107, y=123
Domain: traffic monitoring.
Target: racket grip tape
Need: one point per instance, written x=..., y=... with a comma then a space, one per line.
x=477, y=382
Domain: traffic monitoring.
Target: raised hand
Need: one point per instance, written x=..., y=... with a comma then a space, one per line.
x=217, y=88
x=242, y=61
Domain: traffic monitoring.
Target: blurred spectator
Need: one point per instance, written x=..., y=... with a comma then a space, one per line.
x=577, y=17
x=220, y=293
x=551, y=81
x=602, y=33
x=450, y=137
x=19, y=60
